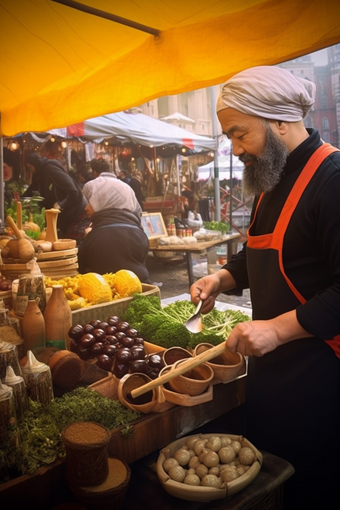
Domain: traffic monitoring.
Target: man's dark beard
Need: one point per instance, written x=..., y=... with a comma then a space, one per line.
x=265, y=171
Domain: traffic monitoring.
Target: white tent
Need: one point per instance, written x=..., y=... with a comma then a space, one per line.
x=142, y=129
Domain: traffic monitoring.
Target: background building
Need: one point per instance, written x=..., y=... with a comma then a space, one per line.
x=193, y=110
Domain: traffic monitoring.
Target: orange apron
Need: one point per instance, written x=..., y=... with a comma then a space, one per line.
x=271, y=266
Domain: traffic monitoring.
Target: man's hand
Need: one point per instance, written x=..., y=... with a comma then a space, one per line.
x=209, y=287
x=256, y=338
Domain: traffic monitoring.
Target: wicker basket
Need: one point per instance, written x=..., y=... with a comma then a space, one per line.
x=110, y=494
x=86, y=446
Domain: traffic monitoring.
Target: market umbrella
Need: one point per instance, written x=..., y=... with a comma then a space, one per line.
x=60, y=65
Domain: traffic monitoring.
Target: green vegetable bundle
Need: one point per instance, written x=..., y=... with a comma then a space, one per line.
x=165, y=326
x=217, y=225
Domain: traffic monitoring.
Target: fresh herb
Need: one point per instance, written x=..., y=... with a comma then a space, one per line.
x=40, y=427
x=217, y=225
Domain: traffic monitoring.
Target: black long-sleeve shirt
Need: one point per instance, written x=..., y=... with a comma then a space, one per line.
x=311, y=251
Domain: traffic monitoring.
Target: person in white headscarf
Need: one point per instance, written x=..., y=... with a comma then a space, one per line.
x=116, y=239
x=291, y=264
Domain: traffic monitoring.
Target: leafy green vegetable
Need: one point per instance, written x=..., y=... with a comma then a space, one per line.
x=40, y=427
x=165, y=326
x=217, y=225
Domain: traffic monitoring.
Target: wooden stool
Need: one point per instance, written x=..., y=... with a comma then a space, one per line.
x=264, y=493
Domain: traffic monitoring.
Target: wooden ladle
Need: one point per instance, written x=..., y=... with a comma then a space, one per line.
x=186, y=365
x=26, y=248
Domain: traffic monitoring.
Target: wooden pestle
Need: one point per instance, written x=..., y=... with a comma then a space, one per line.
x=26, y=248
x=51, y=216
x=186, y=365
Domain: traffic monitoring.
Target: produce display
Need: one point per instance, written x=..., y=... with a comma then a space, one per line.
x=89, y=289
x=116, y=345
x=164, y=326
x=40, y=427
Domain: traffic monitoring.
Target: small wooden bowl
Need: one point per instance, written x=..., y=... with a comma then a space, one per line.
x=227, y=366
x=193, y=382
x=143, y=404
x=64, y=244
x=173, y=354
x=181, y=399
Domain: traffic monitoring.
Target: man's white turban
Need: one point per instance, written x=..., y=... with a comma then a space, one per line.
x=269, y=92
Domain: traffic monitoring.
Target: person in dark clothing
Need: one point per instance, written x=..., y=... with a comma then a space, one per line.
x=135, y=185
x=116, y=239
x=291, y=264
x=59, y=191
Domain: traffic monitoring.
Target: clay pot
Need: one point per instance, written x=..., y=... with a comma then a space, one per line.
x=193, y=382
x=173, y=354
x=227, y=366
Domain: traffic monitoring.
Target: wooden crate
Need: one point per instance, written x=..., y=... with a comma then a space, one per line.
x=105, y=310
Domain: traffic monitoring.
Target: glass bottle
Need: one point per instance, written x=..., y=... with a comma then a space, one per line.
x=58, y=319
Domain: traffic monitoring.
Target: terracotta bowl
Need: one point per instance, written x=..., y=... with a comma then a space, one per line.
x=152, y=401
x=173, y=354
x=144, y=403
x=193, y=382
x=227, y=366
x=201, y=493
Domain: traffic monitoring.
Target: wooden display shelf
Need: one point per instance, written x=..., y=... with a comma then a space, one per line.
x=149, y=433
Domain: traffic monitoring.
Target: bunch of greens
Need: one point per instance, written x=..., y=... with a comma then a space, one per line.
x=165, y=326
x=217, y=225
x=155, y=324
x=40, y=427
x=31, y=211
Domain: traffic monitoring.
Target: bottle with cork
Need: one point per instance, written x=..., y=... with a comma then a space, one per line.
x=58, y=319
x=33, y=326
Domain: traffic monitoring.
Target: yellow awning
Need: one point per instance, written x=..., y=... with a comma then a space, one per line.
x=60, y=65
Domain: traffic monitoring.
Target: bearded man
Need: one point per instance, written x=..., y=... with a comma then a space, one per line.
x=291, y=264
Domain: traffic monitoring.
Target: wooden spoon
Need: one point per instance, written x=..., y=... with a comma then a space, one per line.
x=26, y=248
x=186, y=365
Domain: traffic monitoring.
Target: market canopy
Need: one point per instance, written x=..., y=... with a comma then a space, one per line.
x=141, y=129
x=60, y=65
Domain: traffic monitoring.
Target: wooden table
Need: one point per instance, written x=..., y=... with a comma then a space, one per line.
x=230, y=240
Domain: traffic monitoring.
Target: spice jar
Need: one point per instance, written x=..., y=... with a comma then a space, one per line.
x=31, y=286
x=9, y=434
x=16, y=382
x=38, y=380
x=9, y=357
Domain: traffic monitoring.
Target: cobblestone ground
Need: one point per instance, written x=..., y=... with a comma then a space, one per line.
x=172, y=278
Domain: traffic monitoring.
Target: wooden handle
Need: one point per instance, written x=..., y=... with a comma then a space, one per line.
x=19, y=215
x=14, y=227
x=188, y=364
